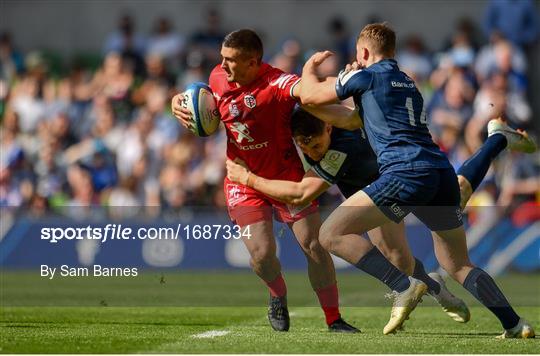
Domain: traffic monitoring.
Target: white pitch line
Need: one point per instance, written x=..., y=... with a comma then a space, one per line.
x=210, y=334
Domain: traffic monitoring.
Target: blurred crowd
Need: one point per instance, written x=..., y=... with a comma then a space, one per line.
x=102, y=135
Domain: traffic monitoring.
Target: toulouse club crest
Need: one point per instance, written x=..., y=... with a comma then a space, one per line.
x=249, y=101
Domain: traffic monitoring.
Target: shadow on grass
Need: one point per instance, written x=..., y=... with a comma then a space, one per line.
x=451, y=334
x=68, y=324
x=20, y=326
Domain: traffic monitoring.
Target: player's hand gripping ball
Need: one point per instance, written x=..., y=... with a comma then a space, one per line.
x=199, y=100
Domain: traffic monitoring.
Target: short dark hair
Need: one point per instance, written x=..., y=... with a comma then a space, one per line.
x=245, y=40
x=381, y=38
x=305, y=126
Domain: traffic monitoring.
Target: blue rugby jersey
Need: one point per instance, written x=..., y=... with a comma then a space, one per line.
x=349, y=162
x=395, y=122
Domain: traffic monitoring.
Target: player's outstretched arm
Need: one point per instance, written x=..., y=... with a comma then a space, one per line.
x=294, y=193
x=313, y=91
x=336, y=115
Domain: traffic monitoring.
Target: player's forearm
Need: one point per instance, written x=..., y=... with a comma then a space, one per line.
x=336, y=115
x=285, y=191
x=312, y=88
x=310, y=85
x=313, y=91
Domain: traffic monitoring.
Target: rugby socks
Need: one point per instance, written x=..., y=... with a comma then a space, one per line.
x=476, y=167
x=375, y=264
x=420, y=273
x=329, y=301
x=277, y=287
x=483, y=288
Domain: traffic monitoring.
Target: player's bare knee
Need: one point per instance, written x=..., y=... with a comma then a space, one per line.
x=262, y=256
x=326, y=240
x=313, y=249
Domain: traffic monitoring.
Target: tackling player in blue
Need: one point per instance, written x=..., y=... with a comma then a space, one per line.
x=344, y=157
x=415, y=176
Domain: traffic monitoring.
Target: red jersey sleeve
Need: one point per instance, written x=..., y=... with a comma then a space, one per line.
x=283, y=84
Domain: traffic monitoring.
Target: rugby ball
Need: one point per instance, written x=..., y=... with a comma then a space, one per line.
x=199, y=100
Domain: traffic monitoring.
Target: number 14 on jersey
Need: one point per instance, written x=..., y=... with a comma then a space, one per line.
x=410, y=109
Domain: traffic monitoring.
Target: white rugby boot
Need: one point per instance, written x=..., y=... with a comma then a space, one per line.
x=523, y=330
x=452, y=305
x=404, y=304
x=518, y=140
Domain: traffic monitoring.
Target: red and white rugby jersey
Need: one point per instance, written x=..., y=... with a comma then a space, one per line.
x=257, y=121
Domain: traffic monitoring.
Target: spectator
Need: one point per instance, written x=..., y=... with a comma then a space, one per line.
x=60, y=130
x=10, y=190
x=486, y=61
x=462, y=52
x=157, y=74
x=515, y=20
x=512, y=103
x=520, y=186
x=105, y=126
x=49, y=174
x=342, y=43
x=82, y=191
x=195, y=70
x=503, y=63
x=330, y=67
x=102, y=170
x=415, y=60
x=27, y=102
x=125, y=38
x=11, y=61
x=459, y=55
x=496, y=100
x=288, y=57
x=452, y=105
x=165, y=43
x=122, y=200
x=464, y=27
x=114, y=79
x=173, y=194
x=133, y=145
x=208, y=39
x=105, y=136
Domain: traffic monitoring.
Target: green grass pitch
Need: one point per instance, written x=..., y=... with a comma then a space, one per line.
x=218, y=312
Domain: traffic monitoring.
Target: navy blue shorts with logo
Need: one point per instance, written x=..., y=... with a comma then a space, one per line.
x=432, y=195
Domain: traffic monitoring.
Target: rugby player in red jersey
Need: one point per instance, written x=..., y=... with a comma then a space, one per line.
x=255, y=102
